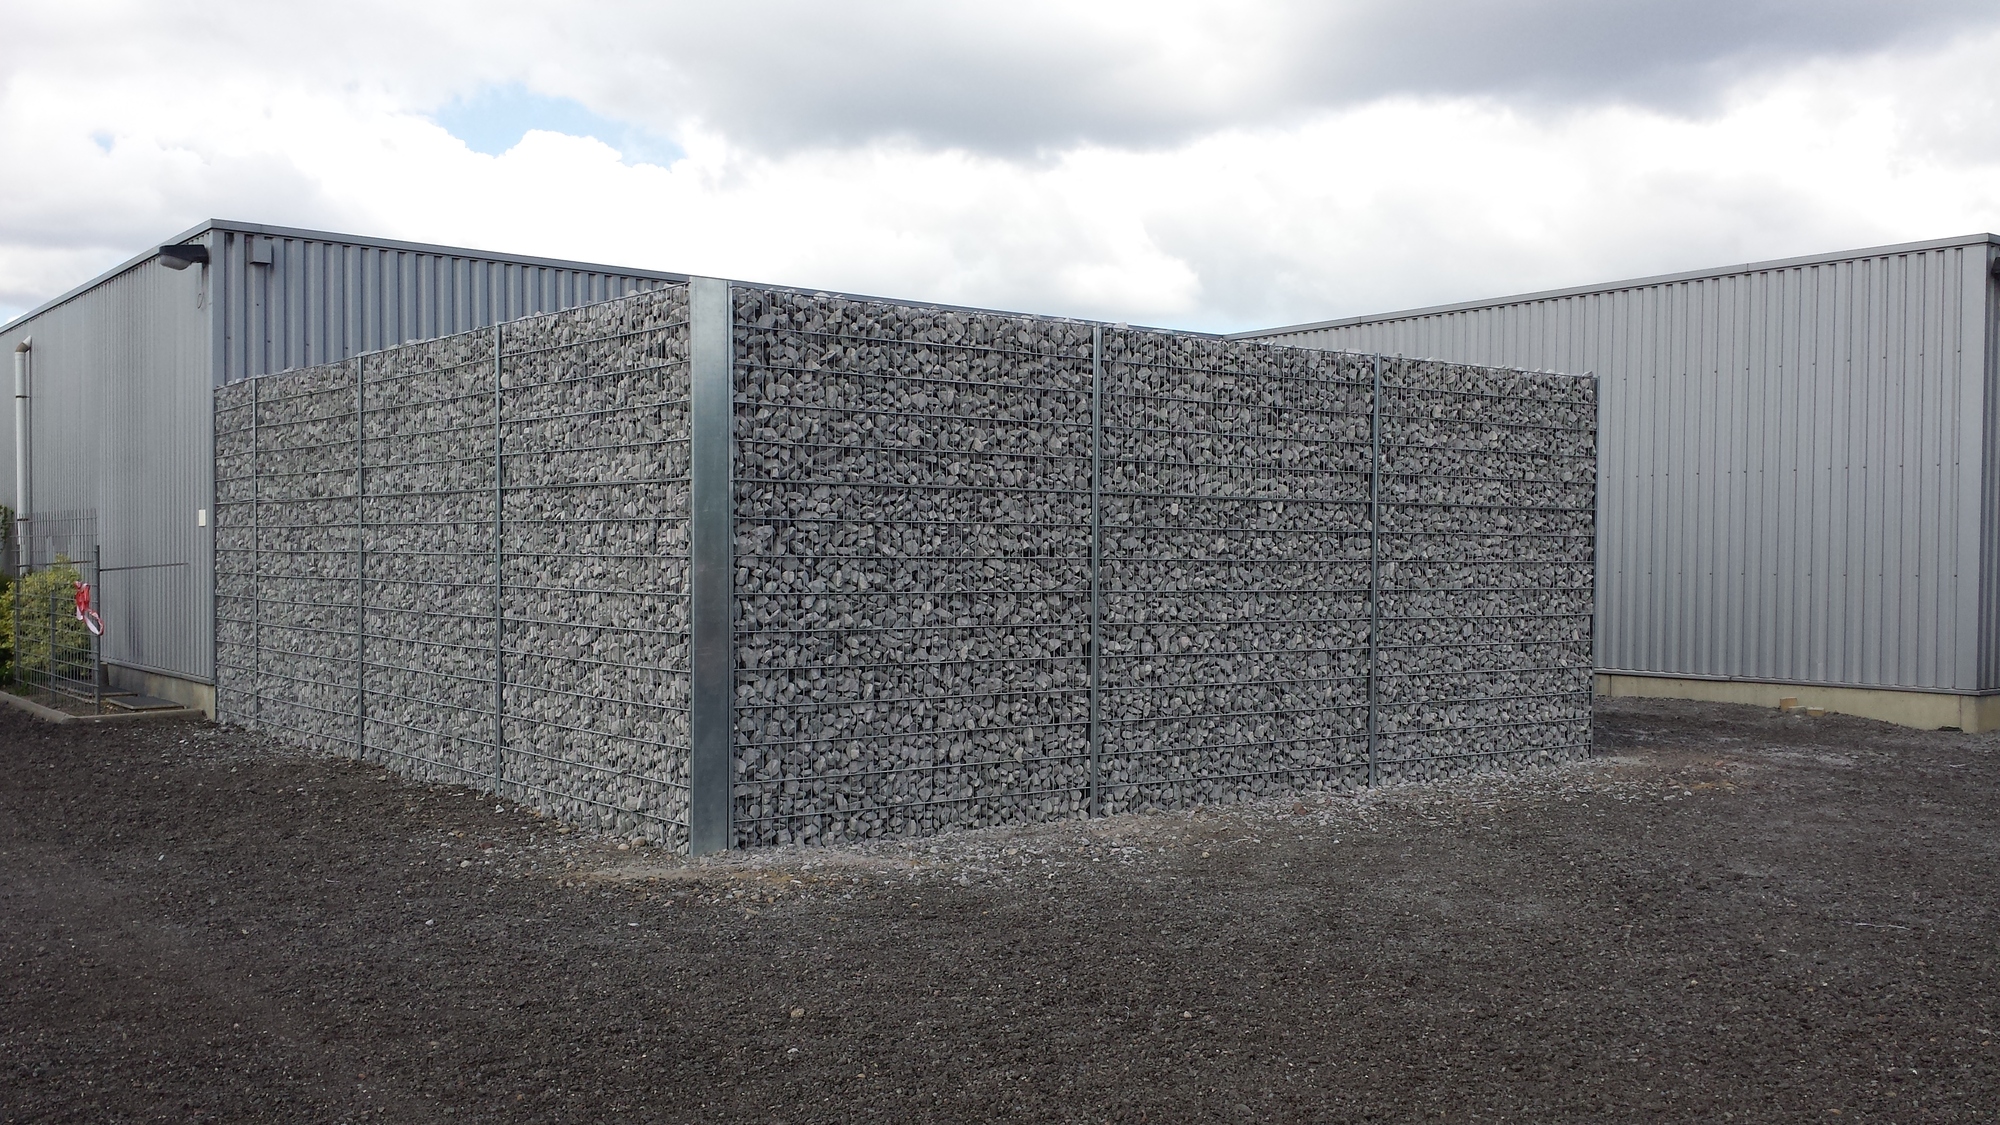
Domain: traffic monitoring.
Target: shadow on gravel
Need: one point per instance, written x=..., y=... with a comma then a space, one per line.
x=1727, y=914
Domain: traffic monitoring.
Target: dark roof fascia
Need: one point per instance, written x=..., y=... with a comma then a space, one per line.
x=1634, y=283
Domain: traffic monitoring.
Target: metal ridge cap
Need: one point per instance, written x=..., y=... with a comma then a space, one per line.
x=1984, y=238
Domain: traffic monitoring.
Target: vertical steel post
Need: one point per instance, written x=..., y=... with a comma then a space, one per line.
x=499, y=579
x=711, y=419
x=1374, y=568
x=1096, y=569
x=256, y=556
x=360, y=561
x=96, y=641
x=1596, y=529
x=49, y=669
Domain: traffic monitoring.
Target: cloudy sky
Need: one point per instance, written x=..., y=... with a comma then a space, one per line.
x=1202, y=165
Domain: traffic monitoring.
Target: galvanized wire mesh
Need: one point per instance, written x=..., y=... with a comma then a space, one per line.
x=987, y=568
x=596, y=567
x=542, y=655
x=1236, y=554
x=425, y=567
x=912, y=495
x=1488, y=540
x=60, y=537
x=285, y=553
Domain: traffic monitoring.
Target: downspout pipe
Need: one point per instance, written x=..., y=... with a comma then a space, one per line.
x=22, y=352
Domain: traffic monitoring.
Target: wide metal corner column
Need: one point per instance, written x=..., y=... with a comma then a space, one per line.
x=712, y=655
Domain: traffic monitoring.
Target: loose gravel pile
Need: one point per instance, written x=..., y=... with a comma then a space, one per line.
x=914, y=512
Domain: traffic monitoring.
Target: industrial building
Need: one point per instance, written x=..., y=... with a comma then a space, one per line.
x=1798, y=495
x=1799, y=488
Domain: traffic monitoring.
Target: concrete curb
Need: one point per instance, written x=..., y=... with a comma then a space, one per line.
x=50, y=714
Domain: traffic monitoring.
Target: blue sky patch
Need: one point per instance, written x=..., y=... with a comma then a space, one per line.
x=497, y=117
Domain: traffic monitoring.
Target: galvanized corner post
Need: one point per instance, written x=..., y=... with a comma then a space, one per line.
x=1374, y=568
x=360, y=560
x=1096, y=569
x=499, y=584
x=711, y=420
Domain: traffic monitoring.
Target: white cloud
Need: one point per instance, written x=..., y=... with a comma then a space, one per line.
x=1239, y=217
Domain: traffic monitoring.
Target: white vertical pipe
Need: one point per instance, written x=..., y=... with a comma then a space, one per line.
x=21, y=493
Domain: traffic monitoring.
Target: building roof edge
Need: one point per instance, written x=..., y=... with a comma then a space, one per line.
x=1631, y=283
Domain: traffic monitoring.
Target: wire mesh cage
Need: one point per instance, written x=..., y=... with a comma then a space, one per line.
x=981, y=568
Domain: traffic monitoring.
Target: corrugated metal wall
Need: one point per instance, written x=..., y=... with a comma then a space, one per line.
x=1989, y=505
x=120, y=439
x=1796, y=481
x=124, y=375
x=292, y=300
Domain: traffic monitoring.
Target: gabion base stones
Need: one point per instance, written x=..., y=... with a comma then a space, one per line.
x=986, y=568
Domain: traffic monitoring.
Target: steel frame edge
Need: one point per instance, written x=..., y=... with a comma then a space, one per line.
x=712, y=655
x=1096, y=569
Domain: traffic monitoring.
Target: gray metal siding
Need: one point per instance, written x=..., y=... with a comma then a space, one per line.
x=1989, y=511
x=120, y=440
x=1795, y=461
x=320, y=300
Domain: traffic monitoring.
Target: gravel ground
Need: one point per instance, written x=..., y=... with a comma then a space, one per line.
x=1728, y=914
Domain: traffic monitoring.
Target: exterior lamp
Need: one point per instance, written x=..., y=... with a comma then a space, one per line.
x=183, y=255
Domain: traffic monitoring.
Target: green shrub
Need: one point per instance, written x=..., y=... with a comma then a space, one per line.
x=35, y=603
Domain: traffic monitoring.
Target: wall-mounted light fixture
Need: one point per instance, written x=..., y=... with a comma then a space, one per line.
x=182, y=255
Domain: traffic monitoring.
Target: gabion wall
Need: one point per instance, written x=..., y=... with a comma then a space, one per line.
x=934, y=511
x=912, y=491
x=1235, y=542
x=397, y=628
x=1489, y=483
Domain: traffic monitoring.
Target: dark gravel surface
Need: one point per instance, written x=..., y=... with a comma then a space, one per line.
x=1728, y=915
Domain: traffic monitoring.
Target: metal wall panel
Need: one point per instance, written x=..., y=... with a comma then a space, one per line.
x=294, y=299
x=1989, y=540
x=120, y=439
x=1797, y=480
